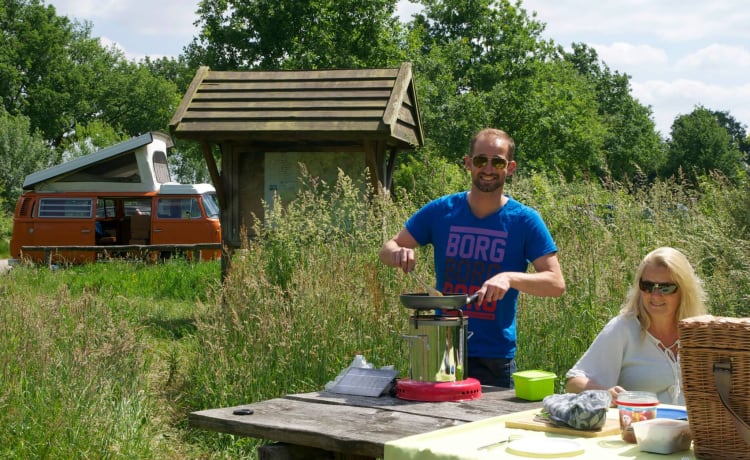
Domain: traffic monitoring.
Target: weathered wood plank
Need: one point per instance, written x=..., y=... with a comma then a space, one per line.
x=399, y=93
x=380, y=95
x=348, y=116
x=305, y=74
x=493, y=402
x=338, y=428
x=321, y=104
x=185, y=102
x=405, y=134
x=130, y=250
x=406, y=117
x=297, y=85
x=126, y=247
x=286, y=129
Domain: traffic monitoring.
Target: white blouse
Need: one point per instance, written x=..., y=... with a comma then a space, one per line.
x=624, y=355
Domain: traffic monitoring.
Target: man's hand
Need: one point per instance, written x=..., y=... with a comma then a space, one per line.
x=494, y=288
x=399, y=251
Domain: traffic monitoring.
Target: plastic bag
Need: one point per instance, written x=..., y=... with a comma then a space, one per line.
x=583, y=411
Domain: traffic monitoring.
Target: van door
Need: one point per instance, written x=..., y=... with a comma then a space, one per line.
x=66, y=222
x=23, y=225
x=180, y=220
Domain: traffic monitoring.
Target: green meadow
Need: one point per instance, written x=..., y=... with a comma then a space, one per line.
x=106, y=360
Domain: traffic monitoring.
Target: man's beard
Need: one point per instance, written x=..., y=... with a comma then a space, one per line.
x=487, y=187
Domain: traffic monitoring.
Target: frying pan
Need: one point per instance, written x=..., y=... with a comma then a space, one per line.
x=424, y=301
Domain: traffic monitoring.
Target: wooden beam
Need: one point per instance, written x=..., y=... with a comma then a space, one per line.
x=186, y=99
x=213, y=170
x=389, y=167
x=397, y=95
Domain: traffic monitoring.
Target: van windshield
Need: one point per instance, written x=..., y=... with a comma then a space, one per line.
x=210, y=205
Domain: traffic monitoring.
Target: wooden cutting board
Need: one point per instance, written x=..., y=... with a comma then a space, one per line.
x=528, y=422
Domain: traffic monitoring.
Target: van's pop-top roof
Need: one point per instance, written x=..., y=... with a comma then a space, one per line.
x=136, y=165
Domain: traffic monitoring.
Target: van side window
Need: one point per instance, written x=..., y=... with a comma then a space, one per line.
x=66, y=207
x=210, y=204
x=161, y=169
x=27, y=207
x=178, y=208
x=136, y=206
x=105, y=208
x=195, y=210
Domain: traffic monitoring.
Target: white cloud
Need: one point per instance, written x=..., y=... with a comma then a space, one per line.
x=88, y=9
x=678, y=54
x=138, y=27
x=670, y=20
x=405, y=9
x=620, y=54
x=716, y=56
x=681, y=96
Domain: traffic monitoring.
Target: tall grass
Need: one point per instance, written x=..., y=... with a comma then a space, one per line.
x=82, y=362
x=106, y=360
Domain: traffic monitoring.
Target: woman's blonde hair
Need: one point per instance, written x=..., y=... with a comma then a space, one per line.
x=692, y=295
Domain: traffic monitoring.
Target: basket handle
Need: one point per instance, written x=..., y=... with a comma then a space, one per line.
x=723, y=379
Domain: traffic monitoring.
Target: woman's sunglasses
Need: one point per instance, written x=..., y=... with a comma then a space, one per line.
x=663, y=288
x=480, y=161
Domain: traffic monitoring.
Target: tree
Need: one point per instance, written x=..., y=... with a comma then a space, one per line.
x=56, y=74
x=631, y=145
x=295, y=34
x=135, y=101
x=484, y=63
x=33, y=63
x=178, y=71
x=22, y=152
x=89, y=139
x=556, y=125
x=699, y=145
x=462, y=50
x=736, y=130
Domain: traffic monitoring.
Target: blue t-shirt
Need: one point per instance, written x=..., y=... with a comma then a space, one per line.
x=469, y=251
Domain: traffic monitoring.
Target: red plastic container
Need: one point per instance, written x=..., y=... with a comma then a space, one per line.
x=635, y=406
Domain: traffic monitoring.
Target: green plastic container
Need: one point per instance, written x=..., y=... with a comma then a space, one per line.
x=534, y=385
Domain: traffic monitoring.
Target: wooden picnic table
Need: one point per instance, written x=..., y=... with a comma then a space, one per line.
x=323, y=425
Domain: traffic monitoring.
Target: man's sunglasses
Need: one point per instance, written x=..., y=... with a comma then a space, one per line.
x=480, y=161
x=663, y=289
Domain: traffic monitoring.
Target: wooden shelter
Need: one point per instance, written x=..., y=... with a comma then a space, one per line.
x=263, y=122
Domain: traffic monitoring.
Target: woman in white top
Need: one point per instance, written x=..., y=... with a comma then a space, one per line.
x=638, y=350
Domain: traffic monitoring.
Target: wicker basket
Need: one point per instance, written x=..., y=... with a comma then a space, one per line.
x=704, y=342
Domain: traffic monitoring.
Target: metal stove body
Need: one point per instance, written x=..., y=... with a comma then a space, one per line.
x=437, y=358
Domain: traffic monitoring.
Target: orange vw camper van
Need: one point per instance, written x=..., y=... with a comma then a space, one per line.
x=117, y=196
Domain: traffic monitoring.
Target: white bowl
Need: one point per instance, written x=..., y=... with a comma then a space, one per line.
x=662, y=435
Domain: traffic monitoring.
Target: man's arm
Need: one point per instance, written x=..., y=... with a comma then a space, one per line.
x=399, y=251
x=546, y=281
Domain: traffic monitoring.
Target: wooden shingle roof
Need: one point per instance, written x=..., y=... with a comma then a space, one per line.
x=290, y=110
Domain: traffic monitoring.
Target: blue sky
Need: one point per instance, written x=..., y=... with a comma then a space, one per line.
x=678, y=53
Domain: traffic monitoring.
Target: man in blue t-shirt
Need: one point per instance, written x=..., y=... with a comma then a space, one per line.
x=483, y=242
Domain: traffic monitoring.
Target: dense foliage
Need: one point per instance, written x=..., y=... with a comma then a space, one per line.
x=478, y=63
x=296, y=34
x=22, y=151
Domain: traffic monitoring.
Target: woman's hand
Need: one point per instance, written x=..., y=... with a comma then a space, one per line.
x=613, y=392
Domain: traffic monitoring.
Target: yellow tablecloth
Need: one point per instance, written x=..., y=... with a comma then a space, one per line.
x=465, y=442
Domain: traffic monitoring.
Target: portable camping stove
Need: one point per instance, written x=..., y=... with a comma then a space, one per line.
x=437, y=359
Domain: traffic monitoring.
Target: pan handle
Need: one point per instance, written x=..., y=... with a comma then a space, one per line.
x=472, y=298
